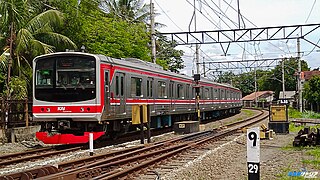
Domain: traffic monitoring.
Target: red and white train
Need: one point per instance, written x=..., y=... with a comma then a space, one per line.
x=77, y=93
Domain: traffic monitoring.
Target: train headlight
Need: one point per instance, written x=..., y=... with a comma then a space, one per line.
x=82, y=109
x=48, y=109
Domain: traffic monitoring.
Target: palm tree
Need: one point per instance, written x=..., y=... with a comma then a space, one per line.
x=27, y=35
x=129, y=10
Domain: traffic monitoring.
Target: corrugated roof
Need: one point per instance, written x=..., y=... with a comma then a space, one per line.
x=252, y=96
x=308, y=74
x=287, y=94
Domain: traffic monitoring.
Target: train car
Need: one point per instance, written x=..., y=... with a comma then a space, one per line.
x=76, y=93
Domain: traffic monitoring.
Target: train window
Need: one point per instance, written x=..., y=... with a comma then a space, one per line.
x=122, y=85
x=206, y=93
x=171, y=89
x=117, y=85
x=162, y=93
x=65, y=78
x=149, y=87
x=222, y=93
x=136, y=86
x=180, y=91
x=193, y=95
x=44, y=73
x=188, y=91
x=216, y=94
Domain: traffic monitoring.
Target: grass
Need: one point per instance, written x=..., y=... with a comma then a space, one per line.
x=314, y=161
x=247, y=112
x=293, y=113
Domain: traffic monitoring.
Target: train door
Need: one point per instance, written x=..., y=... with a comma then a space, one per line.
x=171, y=95
x=150, y=93
x=106, y=92
x=119, y=92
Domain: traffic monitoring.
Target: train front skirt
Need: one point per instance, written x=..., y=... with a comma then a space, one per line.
x=66, y=138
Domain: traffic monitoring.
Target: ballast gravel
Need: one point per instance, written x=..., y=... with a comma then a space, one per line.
x=225, y=159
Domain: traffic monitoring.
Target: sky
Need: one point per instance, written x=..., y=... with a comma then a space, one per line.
x=177, y=14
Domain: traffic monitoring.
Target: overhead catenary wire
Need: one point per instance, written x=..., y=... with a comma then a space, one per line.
x=215, y=24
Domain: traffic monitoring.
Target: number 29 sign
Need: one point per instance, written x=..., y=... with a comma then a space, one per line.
x=253, y=153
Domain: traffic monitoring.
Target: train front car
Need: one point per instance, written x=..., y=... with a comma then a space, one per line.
x=65, y=97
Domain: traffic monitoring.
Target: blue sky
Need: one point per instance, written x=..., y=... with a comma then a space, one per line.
x=176, y=15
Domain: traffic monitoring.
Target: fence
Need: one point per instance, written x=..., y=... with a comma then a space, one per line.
x=15, y=113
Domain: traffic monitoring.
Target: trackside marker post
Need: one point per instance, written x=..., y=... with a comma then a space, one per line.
x=253, y=153
x=91, y=143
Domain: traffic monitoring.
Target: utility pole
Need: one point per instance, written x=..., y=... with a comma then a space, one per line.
x=197, y=45
x=299, y=76
x=255, y=86
x=283, y=82
x=238, y=13
x=153, y=34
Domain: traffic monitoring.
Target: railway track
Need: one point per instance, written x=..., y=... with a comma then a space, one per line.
x=130, y=162
x=34, y=154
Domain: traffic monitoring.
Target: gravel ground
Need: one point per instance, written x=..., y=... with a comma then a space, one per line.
x=225, y=160
x=229, y=161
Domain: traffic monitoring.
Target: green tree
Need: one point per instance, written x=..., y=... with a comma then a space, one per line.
x=290, y=66
x=167, y=56
x=27, y=33
x=312, y=91
x=128, y=10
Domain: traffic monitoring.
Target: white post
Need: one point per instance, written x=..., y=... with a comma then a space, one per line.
x=253, y=153
x=91, y=144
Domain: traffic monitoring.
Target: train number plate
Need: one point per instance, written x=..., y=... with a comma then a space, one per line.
x=182, y=126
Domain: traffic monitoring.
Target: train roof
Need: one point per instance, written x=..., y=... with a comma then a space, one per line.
x=138, y=64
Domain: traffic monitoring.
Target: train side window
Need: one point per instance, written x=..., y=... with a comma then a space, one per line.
x=117, y=85
x=136, y=86
x=162, y=93
x=180, y=91
x=171, y=89
x=149, y=87
x=222, y=94
x=206, y=93
x=188, y=91
x=122, y=85
x=216, y=94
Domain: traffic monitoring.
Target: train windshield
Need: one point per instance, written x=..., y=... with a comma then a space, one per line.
x=65, y=79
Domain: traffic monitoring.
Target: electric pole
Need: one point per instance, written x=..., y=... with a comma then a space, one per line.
x=283, y=82
x=299, y=76
x=153, y=34
x=197, y=45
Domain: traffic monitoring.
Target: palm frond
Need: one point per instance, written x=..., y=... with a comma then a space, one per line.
x=52, y=18
x=4, y=58
x=39, y=48
x=56, y=40
x=23, y=38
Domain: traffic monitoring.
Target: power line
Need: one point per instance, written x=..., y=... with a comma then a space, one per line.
x=314, y=2
x=168, y=16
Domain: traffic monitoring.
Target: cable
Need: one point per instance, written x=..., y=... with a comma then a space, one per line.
x=314, y=2
x=168, y=16
x=252, y=24
x=216, y=25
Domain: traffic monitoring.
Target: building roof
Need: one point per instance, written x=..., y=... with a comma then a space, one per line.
x=252, y=96
x=287, y=94
x=306, y=75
